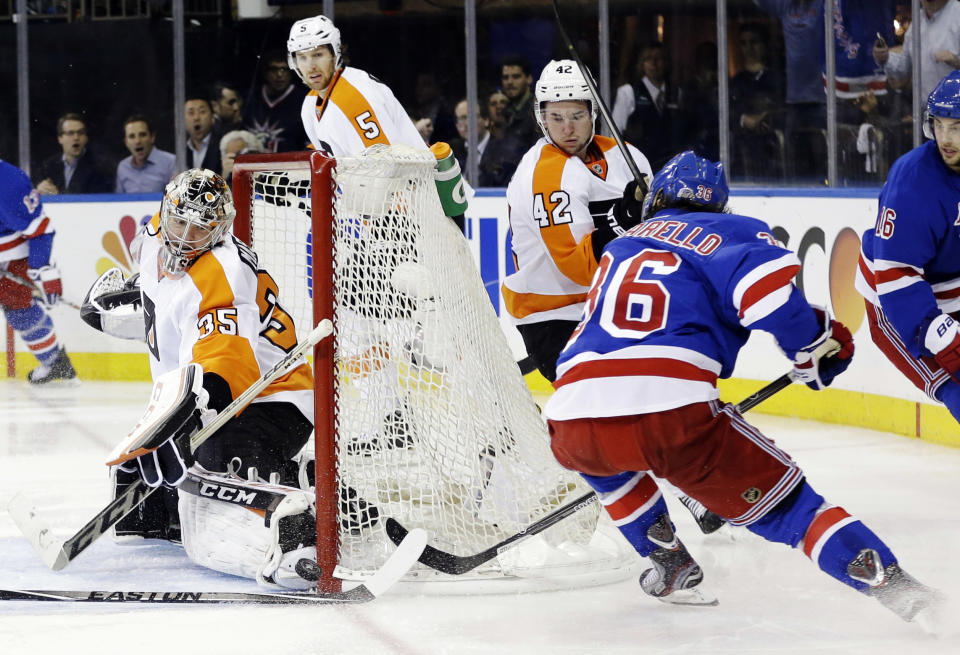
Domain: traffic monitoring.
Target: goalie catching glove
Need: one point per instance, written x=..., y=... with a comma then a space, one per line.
x=114, y=307
x=827, y=356
x=159, y=444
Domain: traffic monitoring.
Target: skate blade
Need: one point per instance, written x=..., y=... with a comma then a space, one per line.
x=693, y=596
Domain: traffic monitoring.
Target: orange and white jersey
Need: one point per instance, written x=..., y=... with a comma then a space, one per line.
x=554, y=200
x=223, y=314
x=358, y=112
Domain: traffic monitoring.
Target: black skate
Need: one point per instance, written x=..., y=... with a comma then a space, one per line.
x=675, y=577
x=707, y=521
x=896, y=589
x=60, y=369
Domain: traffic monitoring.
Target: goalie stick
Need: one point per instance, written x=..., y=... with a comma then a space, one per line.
x=459, y=564
x=57, y=554
x=386, y=576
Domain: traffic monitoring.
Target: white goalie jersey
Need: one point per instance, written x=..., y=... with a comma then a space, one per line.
x=224, y=314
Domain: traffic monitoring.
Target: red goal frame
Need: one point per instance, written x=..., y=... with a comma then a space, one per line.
x=322, y=185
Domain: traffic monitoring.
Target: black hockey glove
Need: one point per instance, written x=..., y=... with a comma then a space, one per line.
x=629, y=209
x=168, y=464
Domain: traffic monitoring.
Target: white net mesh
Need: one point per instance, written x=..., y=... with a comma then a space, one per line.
x=436, y=427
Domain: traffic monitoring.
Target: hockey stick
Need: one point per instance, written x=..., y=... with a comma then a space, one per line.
x=459, y=564
x=386, y=576
x=57, y=554
x=35, y=291
x=601, y=105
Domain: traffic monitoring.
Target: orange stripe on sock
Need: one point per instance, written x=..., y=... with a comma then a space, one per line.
x=634, y=499
x=823, y=522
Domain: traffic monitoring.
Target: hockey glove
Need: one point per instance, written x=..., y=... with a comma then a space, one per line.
x=168, y=464
x=629, y=208
x=942, y=338
x=825, y=357
x=47, y=278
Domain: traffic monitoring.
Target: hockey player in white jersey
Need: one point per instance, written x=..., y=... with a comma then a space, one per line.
x=347, y=110
x=213, y=324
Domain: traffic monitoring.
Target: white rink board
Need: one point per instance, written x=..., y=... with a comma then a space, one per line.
x=810, y=223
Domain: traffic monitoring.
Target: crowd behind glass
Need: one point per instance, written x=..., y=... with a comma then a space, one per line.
x=105, y=130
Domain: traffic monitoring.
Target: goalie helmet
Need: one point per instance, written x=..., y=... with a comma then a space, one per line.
x=310, y=33
x=196, y=213
x=562, y=80
x=688, y=181
x=943, y=101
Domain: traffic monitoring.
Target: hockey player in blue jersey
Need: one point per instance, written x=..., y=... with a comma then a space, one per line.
x=671, y=304
x=26, y=238
x=909, y=269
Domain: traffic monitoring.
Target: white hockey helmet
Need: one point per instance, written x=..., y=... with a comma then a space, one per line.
x=196, y=214
x=561, y=80
x=309, y=33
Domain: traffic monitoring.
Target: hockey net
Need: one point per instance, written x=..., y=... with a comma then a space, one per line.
x=421, y=410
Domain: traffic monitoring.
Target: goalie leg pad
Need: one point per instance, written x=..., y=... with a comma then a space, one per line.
x=250, y=529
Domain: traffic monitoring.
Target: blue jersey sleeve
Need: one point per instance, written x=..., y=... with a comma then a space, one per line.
x=20, y=204
x=912, y=222
x=754, y=276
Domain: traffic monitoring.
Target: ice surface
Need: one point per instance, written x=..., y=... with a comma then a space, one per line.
x=53, y=443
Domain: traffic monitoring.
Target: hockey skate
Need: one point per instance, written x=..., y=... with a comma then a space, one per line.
x=396, y=433
x=896, y=589
x=675, y=577
x=707, y=521
x=59, y=370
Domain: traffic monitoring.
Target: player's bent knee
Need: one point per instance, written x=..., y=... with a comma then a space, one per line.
x=246, y=528
x=788, y=520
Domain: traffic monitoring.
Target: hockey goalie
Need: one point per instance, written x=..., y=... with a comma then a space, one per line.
x=243, y=502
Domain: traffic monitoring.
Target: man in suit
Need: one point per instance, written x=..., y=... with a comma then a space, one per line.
x=75, y=169
x=203, y=142
x=649, y=110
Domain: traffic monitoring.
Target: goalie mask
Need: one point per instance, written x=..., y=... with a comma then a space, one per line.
x=196, y=213
x=562, y=80
x=310, y=33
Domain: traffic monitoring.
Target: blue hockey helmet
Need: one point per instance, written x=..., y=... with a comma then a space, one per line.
x=688, y=181
x=943, y=101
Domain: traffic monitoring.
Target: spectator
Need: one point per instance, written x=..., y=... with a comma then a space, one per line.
x=703, y=102
x=237, y=142
x=519, y=122
x=147, y=169
x=203, y=146
x=432, y=104
x=273, y=110
x=460, y=144
x=425, y=127
x=863, y=105
x=756, y=99
x=502, y=152
x=227, y=108
x=940, y=28
x=648, y=110
x=76, y=169
x=805, y=118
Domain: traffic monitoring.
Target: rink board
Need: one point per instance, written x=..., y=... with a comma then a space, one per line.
x=93, y=234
